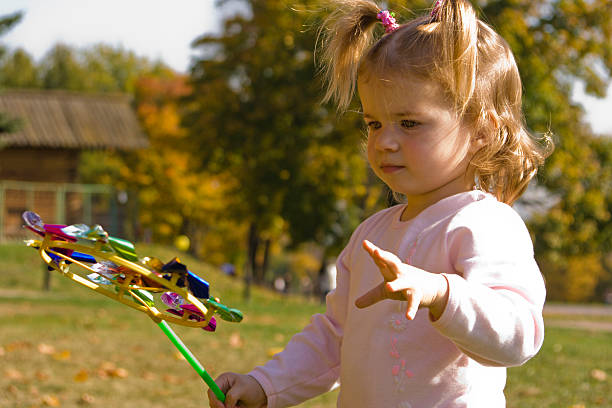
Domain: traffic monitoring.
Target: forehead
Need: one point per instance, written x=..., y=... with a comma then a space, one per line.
x=400, y=93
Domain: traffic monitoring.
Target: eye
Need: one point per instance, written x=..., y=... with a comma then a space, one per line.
x=409, y=123
x=374, y=125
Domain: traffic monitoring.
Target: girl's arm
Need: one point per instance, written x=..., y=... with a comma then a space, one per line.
x=496, y=296
x=310, y=363
x=491, y=308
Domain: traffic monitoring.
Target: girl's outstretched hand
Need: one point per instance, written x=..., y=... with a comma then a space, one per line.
x=405, y=282
x=240, y=390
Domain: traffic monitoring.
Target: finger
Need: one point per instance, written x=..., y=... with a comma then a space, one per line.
x=387, y=262
x=225, y=382
x=385, y=257
x=373, y=296
x=368, y=246
x=373, y=251
x=414, y=301
x=213, y=401
x=232, y=397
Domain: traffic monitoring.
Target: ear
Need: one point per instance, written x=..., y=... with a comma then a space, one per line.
x=481, y=137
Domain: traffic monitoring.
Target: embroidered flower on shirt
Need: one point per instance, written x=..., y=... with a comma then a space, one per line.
x=398, y=322
x=400, y=371
x=401, y=375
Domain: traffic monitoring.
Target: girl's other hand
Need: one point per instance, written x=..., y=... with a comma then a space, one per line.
x=405, y=282
x=238, y=388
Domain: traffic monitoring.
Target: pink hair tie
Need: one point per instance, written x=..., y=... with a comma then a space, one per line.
x=388, y=21
x=436, y=8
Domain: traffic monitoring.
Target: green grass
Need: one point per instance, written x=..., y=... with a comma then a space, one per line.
x=75, y=348
x=561, y=375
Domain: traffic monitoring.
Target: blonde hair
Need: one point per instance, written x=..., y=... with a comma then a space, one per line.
x=473, y=64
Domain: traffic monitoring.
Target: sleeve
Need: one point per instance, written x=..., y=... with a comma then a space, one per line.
x=494, y=309
x=310, y=363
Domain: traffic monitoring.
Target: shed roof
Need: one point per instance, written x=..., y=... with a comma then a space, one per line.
x=63, y=119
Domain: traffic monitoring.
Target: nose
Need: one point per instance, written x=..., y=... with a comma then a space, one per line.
x=386, y=140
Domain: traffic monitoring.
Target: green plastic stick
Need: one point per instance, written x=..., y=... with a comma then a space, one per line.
x=191, y=359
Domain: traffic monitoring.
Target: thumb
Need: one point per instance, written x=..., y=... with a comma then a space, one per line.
x=373, y=296
x=225, y=382
x=414, y=301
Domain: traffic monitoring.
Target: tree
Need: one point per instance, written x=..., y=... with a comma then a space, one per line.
x=19, y=70
x=558, y=42
x=61, y=68
x=174, y=196
x=7, y=22
x=255, y=111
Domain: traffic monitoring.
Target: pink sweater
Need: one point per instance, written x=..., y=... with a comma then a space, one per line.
x=493, y=318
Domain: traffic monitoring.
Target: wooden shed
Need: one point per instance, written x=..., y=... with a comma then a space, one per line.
x=39, y=162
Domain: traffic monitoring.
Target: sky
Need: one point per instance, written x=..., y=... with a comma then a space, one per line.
x=160, y=29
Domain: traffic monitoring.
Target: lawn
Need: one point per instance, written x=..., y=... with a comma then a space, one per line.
x=73, y=348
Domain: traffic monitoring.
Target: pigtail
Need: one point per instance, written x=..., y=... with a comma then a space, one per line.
x=506, y=165
x=346, y=34
x=478, y=68
x=512, y=155
x=457, y=43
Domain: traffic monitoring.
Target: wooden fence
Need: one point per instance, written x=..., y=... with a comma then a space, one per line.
x=56, y=203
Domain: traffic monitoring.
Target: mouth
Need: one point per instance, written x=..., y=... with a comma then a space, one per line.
x=390, y=168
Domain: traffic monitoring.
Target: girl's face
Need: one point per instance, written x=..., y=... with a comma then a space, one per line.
x=416, y=143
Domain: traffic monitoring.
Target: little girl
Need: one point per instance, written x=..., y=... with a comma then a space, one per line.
x=436, y=296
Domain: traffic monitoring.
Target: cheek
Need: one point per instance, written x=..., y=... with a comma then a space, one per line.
x=370, y=149
x=416, y=148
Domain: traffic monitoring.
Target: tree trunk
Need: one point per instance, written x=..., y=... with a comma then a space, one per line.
x=46, y=286
x=249, y=265
x=265, y=261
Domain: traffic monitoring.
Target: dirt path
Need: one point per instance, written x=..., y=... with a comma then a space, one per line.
x=584, y=317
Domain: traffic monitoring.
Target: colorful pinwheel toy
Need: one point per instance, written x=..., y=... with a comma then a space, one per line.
x=110, y=266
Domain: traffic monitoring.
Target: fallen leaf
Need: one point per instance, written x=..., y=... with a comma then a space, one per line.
x=46, y=349
x=235, y=341
x=13, y=374
x=81, y=376
x=137, y=348
x=148, y=375
x=41, y=375
x=599, y=375
x=2, y=352
x=107, y=365
x=105, y=369
x=62, y=355
x=17, y=345
x=12, y=389
x=170, y=379
x=578, y=406
x=178, y=355
x=86, y=399
x=118, y=373
x=274, y=350
x=531, y=391
x=51, y=401
x=34, y=390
